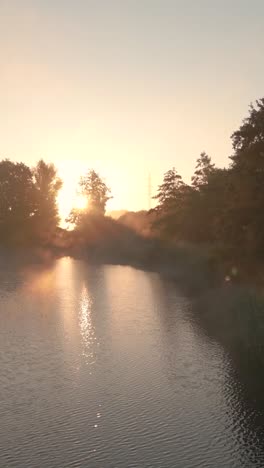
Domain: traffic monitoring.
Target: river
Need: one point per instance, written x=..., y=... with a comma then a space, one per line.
x=104, y=366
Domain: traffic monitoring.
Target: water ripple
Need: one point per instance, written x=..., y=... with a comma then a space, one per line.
x=110, y=371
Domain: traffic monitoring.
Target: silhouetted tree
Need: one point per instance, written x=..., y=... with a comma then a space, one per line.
x=251, y=133
x=204, y=168
x=206, y=200
x=47, y=185
x=97, y=193
x=170, y=198
x=169, y=189
x=95, y=189
x=221, y=207
x=214, y=199
x=247, y=170
x=17, y=201
x=193, y=213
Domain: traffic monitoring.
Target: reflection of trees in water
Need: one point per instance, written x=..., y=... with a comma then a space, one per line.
x=243, y=412
x=229, y=378
x=18, y=267
x=233, y=317
x=10, y=281
x=176, y=328
x=248, y=374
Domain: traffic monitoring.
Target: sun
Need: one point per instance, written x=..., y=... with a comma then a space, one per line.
x=80, y=202
x=68, y=200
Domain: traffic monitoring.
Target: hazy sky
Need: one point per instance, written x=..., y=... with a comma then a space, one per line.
x=127, y=86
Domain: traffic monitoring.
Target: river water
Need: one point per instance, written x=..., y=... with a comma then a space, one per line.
x=104, y=366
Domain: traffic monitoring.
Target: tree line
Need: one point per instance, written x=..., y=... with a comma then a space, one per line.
x=28, y=208
x=28, y=202
x=222, y=207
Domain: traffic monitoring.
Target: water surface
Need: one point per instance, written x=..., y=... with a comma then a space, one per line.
x=104, y=366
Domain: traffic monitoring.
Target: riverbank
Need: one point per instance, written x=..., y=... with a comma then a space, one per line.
x=195, y=268
x=192, y=268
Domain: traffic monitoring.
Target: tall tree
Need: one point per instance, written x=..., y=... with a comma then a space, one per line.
x=17, y=201
x=247, y=169
x=47, y=185
x=97, y=192
x=251, y=132
x=168, y=191
x=170, y=198
x=205, y=200
x=204, y=168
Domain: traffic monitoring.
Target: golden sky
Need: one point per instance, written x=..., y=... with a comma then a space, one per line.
x=126, y=87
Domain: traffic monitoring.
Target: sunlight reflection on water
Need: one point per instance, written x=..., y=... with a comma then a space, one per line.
x=105, y=366
x=86, y=327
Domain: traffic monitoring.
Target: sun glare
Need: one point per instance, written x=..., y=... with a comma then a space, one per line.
x=68, y=200
x=80, y=202
x=68, y=197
